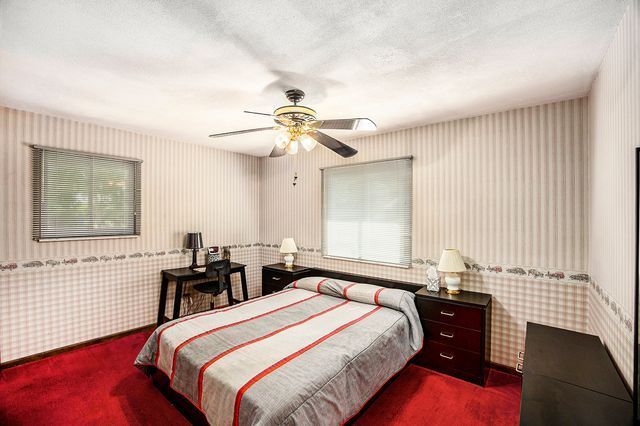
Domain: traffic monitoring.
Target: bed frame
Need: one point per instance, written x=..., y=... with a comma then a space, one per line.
x=196, y=417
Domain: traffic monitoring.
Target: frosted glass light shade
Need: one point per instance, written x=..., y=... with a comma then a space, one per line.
x=288, y=246
x=307, y=142
x=282, y=139
x=451, y=261
x=292, y=148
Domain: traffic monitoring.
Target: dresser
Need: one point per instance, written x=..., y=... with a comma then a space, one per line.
x=456, y=333
x=275, y=277
x=568, y=378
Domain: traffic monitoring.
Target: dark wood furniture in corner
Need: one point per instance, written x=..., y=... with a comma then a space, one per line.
x=182, y=275
x=569, y=378
x=456, y=333
x=275, y=277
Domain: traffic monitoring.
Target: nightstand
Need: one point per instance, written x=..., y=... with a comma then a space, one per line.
x=456, y=333
x=275, y=277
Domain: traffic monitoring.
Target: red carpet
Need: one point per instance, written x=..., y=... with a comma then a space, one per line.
x=99, y=385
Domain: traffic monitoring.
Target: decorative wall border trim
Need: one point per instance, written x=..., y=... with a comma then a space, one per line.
x=535, y=273
x=625, y=319
x=8, y=266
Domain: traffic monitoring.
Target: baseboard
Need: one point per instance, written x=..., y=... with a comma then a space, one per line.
x=42, y=355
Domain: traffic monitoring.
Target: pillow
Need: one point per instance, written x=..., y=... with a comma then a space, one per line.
x=400, y=300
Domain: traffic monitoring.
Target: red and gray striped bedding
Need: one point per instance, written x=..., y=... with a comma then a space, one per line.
x=313, y=353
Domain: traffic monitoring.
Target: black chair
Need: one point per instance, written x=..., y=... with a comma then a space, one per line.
x=218, y=270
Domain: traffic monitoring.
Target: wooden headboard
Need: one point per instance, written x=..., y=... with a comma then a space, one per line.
x=402, y=285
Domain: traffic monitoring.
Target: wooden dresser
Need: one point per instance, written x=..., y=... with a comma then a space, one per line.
x=456, y=333
x=275, y=277
x=569, y=379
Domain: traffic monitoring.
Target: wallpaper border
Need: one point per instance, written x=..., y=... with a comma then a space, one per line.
x=625, y=319
x=90, y=259
x=521, y=271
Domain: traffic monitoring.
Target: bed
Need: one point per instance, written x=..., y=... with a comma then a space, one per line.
x=314, y=353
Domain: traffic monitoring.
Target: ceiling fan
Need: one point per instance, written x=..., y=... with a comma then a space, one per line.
x=297, y=125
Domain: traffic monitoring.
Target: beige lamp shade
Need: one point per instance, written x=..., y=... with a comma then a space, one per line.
x=288, y=246
x=451, y=261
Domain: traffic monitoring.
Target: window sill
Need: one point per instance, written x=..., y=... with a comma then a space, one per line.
x=104, y=237
x=369, y=262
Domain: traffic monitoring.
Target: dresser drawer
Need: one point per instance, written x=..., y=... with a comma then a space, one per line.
x=450, y=313
x=451, y=335
x=274, y=279
x=444, y=357
x=269, y=289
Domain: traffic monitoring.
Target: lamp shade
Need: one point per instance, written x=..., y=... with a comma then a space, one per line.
x=451, y=261
x=288, y=246
x=193, y=240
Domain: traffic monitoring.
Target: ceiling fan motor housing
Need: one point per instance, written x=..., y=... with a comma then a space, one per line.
x=294, y=95
x=295, y=112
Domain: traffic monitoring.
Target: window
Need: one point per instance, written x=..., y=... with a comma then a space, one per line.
x=366, y=212
x=80, y=195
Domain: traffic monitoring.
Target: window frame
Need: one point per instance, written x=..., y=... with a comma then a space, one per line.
x=38, y=183
x=323, y=213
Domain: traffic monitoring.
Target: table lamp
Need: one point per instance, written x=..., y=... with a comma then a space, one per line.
x=288, y=247
x=451, y=264
x=193, y=241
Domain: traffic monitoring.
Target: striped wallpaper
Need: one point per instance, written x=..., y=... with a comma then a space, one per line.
x=614, y=133
x=508, y=188
x=184, y=187
x=114, y=284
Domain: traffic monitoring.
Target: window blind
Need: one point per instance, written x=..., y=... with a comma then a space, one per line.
x=366, y=212
x=81, y=195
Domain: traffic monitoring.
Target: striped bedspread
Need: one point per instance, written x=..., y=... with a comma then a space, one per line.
x=313, y=353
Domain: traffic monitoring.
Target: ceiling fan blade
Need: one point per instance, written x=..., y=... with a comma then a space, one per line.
x=283, y=120
x=344, y=124
x=259, y=113
x=333, y=144
x=239, y=132
x=277, y=151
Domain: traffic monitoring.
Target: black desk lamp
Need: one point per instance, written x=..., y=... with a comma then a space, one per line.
x=193, y=241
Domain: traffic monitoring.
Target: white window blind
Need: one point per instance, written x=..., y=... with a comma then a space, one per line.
x=80, y=195
x=366, y=212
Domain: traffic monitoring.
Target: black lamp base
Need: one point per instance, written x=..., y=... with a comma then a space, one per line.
x=194, y=262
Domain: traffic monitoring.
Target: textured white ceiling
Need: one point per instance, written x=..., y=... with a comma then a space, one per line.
x=184, y=69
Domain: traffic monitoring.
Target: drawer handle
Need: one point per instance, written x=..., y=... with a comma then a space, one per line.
x=519, y=367
x=447, y=335
x=521, y=355
x=447, y=313
x=276, y=278
x=446, y=356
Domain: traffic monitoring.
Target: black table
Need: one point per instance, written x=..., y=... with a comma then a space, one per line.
x=569, y=379
x=182, y=275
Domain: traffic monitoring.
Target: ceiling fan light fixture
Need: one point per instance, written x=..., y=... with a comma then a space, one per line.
x=297, y=125
x=282, y=139
x=307, y=142
x=300, y=111
x=292, y=147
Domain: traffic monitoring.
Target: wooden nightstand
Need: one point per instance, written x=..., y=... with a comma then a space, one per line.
x=456, y=333
x=275, y=277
